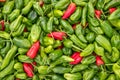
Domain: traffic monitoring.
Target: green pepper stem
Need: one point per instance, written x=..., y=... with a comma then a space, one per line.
x=109, y=64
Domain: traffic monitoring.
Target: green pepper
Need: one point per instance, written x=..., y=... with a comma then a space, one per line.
x=67, y=27
x=111, y=77
x=47, y=1
x=56, y=21
x=49, y=27
x=104, y=42
x=37, y=8
x=43, y=70
x=68, y=43
x=19, y=30
x=93, y=21
x=79, y=67
x=27, y=8
x=9, y=56
x=16, y=23
x=57, y=43
x=55, y=54
x=24, y=58
x=19, y=4
x=67, y=51
x=73, y=76
x=7, y=8
x=48, y=41
x=7, y=70
x=90, y=37
x=19, y=67
x=90, y=9
x=46, y=8
x=58, y=13
x=10, y=77
x=62, y=4
x=32, y=16
x=4, y=35
x=95, y=78
x=77, y=14
x=95, y=67
x=35, y=33
x=88, y=60
x=26, y=21
x=21, y=75
x=57, y=77
x=49, y=49
x=116, y=69
x=100, y=4
x=115, y=54
x=22, y=50
x=35, y=77
x=88, y=74
x=115, y=23
x=88, y=50
x=26, y=2
x=103, y=75
x=12, y=16
x=42, y=38
x=79, y=33
x=80, y=2
x=21, y=42
x=2, y=43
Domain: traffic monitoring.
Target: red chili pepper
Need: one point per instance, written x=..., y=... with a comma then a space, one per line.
x=41, y=3
x=2, y=0
x=28, y=70
x=99, y=61
x=98, y=13
x=32, y=52
x=2, y=24
x=31, y=66
x=111, y=10
x=71, y=9
x=77, y=58
x=57, y=35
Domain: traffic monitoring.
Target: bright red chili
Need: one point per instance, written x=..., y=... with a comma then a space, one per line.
x=111, y=10
x=2, y=0
x=2, y=24
x=32, y=52
x=71, y=9
x=28, y=70
x=57, y=35
x=77, y=58
x=99, y=61
x=98, y=13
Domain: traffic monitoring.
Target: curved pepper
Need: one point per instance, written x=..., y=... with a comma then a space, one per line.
x=111, y=10
x=2, y=23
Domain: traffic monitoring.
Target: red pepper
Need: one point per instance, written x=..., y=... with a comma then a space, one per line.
x=111, y=10
x=99, y=61
x=98, y=13
x=2, y=0
x=28, y=70
x=31, y=66
x=41, y=3
x=32, y=52
x=77, y=58
x=57, y=35
x=71, y=9
x=2, y=24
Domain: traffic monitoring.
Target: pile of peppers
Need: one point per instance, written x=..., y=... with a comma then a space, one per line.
x=59, y=39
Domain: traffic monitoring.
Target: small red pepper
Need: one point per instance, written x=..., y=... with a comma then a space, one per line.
x=3, y=25
x=99, y=61
x=57, y=35
x=98, y=13
x=28, y=70
x=41, y=3
x=32, y=52
x=77, y=58
x=71, y=9
x=111, y=10
x=2, y=0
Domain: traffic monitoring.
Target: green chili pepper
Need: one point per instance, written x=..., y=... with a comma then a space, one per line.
x=32, y=16
x=49, y=27
x=16, y=23
x=79, y=33
x=19, y=67
x=95, y=67
x=55, y=54
x=49, y=49
x=48, y=41
x=7, y=70
x=19, y=4
x=43, y=70
x=7, y=8
x=116, y=69
x=22, y=50
x=4, y=35
x=115, y=54
x=22, y=42
x=88, y=74
x=66, y=26
x=93, y=21
x=57, y=43
x=57, y=77
x=111, y=77
x=21, y=75
x=24, y=58
x=8, y=57
x=19, y=30
x=47, y=1
x=27, y=8
x=58, y=13
x=77, y=14
x=56, y=21
x=95, y=78
x=35, y=33
x=80, y=2
x=46, y=8
x=79, y=67
x=67, y=51
x=104, y=42
x=103, y=75
x=26, y=21
x=42, y=38
x=74, y=76
x=90, y=9
x=88, y=60
x=90, y=37
x=35, y=77
x=115, y=23
x=88, y=50
x=10, y=77
x=100, y=4
x=68, y=43
x=26, y=2
x=37, y=8
x=12, y=16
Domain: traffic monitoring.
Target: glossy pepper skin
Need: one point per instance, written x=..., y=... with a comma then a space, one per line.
x=98, y=13
x=57, y=35
x=77, y=58
x=111, y=10
x=32, y=52
x=70, y=10
x=99, y=61
x=2, y=23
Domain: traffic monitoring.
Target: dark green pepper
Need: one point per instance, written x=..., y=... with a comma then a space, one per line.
x=43, y=23
x=49, y=27
x=73, y=76
x=32, y=16
x=19, y=4
x=90, y=37
x=67, y=51
x=24, y=58
x=88, y=74
x=56, y=21
x=57, y=77
x=80, y=2
x=22, y=50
